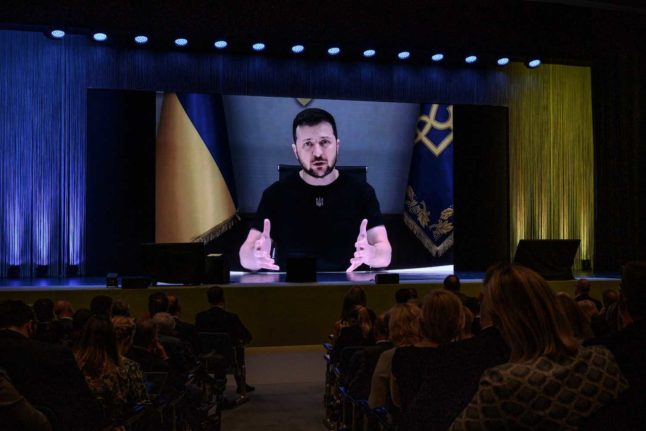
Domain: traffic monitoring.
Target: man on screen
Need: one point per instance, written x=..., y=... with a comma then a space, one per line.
x=318, y=211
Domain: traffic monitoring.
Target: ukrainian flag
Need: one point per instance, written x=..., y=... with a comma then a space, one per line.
x=428, y=208
x=195, y=189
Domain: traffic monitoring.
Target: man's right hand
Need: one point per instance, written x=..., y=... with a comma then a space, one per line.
x=262, y=249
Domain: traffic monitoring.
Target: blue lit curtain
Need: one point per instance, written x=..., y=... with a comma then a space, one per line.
x=42, y=140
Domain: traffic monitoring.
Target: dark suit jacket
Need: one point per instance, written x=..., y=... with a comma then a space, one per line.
x=217, y=319
x=361, y=366
x=187, y=333
x=47, y=374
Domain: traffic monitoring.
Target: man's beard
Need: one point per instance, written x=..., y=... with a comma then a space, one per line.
x=313, y=173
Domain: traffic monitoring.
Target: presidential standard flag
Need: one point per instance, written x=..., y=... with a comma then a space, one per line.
x=195, y=190
x=429, y=195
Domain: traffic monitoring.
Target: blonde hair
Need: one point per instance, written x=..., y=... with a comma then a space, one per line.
x=468, y=323
x=404, y=325
x=443, y=316
x=164, y=322
x=525, y=309
x=124, y=329
x=579, y=322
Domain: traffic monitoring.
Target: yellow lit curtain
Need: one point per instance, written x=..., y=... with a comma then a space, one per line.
x=551, y=155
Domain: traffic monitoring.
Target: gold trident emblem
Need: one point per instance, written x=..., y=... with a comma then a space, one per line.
x=431, y=123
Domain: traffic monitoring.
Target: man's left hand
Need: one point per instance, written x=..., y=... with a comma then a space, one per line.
x=364, y=252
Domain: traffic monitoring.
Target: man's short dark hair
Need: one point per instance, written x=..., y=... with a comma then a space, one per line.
x=44, y=310
x=101, y=305
x=633, y=287
x=405, y=294
x=215, y=295
x=583, y=285
x=157, y=303
x=15, y=313
x=452, y=283
x=312, y=117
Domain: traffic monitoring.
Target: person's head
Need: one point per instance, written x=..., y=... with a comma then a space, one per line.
x=356, y=295
x=405, y=294
x=124, y=331
x=96, y=349
x=522, y=305
x=17, y=316
x=467, y=328
x=63, y=309
x=173, y=305
x=215, y=295
x=443, y=316
x=452, y=283
x=81, y=316
x=157, y=303
x=120, y=308
x=145, y=333
x=101, y=305
x=589, y=309
x=609, y=297
x=165, y=323
x=579, y=323
x=404, y=324
x=583, y=286
x=316, y=144
x=44, y=310
x=633, y=288
x=380, y=327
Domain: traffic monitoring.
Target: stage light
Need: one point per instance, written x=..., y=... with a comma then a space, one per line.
x=141, y=39
x=403, y=55
x=100, y=37
x=258, y=46
x=334, y=50
x=220, y=44
x=369, y=53
x=471, y=59
x=180, y=41
x=57, y=34
x=502, y=61
x=297, y=49
x=533, y=63
x=437, y=57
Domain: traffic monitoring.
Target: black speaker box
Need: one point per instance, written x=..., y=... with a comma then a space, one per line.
x=112, y=280
x=386, y=278
x=135, y=282
x=301, y=269
x=216, y=269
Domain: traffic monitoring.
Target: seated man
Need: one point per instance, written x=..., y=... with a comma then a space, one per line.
x=318, y=211
x=45, y=374
x=217, y=319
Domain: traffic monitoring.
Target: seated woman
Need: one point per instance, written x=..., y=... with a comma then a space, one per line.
x=109, y=379
x=354, y=296
x=434, y=379
x=551, y=381
x=357, y=331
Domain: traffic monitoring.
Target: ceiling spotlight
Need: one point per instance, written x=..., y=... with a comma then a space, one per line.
x=297, y=49
x=369, y=53
x=258, y=46
x=471, y=59
x=57, y=34
x=437, y=57
x=502, y=61
x=334, y=50
x=141, y=39
x=220, y=44
x=100, y=37
x=533, y=63
x=403, y=55
x=180, y=41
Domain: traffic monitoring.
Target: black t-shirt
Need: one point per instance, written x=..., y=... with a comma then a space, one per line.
x=318, y=221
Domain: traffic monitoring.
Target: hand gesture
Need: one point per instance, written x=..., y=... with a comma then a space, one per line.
x=262, y=248
x=364, y=252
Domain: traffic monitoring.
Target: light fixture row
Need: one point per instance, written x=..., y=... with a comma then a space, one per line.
x=299, y=49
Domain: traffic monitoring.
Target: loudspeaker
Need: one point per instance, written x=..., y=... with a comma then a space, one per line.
x=216, y=269
x=551, y=258
x=301, y=269
x=112, y=280
x=135, y=282
x=387, y=278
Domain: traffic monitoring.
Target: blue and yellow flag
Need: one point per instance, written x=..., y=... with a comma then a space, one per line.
x=195, y=190
x=429, y=195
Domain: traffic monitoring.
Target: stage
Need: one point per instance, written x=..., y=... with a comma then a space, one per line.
x=278, y=313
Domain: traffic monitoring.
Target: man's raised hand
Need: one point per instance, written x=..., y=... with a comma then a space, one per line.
x=262, y=248
x=364, y=252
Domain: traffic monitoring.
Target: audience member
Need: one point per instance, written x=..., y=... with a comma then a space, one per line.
x=120, y=308
x=576, y=318
x=217, y=319
x=64, y=323
x=185, y=331
x=101, y=305
x=629, y=347
x=452, y=284
x=467, y=328
x=124, y=331
x=356, y=295
x=405, y=329
x=157, y=303
x=44, y=311
x=44, y=373
x=434, y=379
x=81, y=316
x=551, y=381
x=181, y=358
x=146, y=349
x=582, y=292
x=16, y=413
x=356, y=331
x=98, y=357
x=611, y=311
x=609, y=297
x=405, y=294
x=597, y=323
